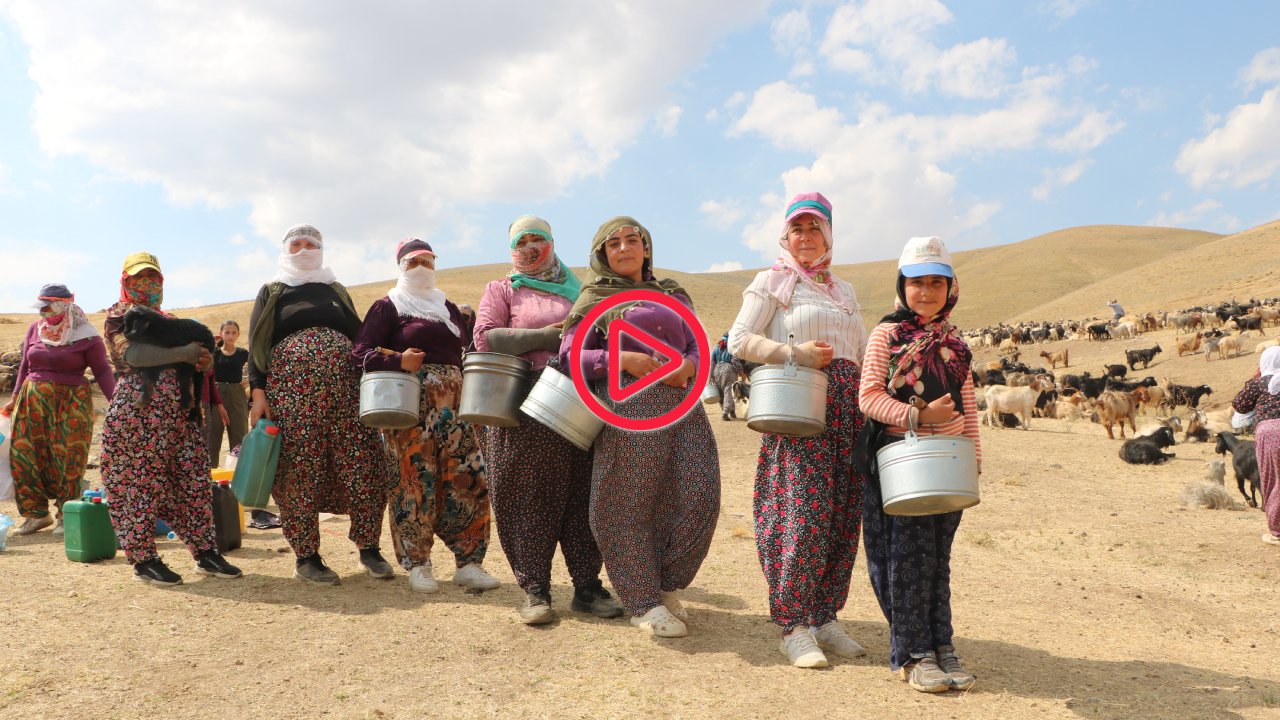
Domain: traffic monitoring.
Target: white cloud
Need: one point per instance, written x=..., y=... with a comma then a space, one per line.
x=237, y=239
x=29, y=265
x=668, y=120
x=730, y=266
x=721, y=215
x=1081, y=65
x=1063, y=9
x=885, y=42
x=790, y=30
x=1092, y=130
x=362, y=121
x=1181, y=218
x=1244, y=150
x=1264, y=69
x=1056, y=178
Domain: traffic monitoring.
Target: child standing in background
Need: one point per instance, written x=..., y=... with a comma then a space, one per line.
x=915, y=374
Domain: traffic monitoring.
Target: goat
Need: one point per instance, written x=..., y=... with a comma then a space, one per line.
x=1115, y=371
x=1099, y=331
x=1232, y=345
x=1244, y=463
x=1114, y=408
x=1248, y=322
x=1186, y=394
x=1197, y=427
x=1189, y=345
x=1019, y=400
x=1265, y=344
x=144, y=325
x=1148, y=450
x=1055, y=358
x=1133, y=357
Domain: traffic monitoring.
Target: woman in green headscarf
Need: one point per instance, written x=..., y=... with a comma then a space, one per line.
x=655, y=495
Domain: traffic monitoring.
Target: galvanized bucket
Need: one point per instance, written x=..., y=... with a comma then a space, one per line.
x=788, y=400
x=493, y=386
x=554, y=402
x=390, y=399
x=928, y=475
x=711, y=393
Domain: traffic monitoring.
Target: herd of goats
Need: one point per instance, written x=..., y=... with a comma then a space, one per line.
x=1014, y=392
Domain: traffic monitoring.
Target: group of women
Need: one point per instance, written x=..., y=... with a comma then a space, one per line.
x=642, y=506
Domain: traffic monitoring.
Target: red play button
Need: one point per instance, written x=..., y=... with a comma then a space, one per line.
x=672, y=359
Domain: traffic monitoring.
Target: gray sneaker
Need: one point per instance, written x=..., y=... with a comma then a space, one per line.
x=925, y=675
x=312, y=569
x=537, y=608
x=961, y=679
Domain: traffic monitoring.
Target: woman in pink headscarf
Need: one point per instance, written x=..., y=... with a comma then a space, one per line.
x=808, y=499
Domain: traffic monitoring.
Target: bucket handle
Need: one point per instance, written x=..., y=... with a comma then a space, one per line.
x=911, y=438
x=789, y=367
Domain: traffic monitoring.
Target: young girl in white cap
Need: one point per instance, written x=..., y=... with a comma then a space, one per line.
x=915, y=374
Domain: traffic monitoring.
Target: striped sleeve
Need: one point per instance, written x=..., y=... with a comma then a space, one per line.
x=873, y=397
x=757, y=310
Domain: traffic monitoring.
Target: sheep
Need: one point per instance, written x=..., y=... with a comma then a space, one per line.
x=1231, y=345
x=1017, y=400
x=1009, y=348
x=1114, y=408
x=1055, y=358
x=1124, y=331
x=1148, y=450
x=1244, y=463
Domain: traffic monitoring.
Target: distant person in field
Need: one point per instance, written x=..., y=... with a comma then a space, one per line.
x=441, y=486
x=655, y=494
x=916, y=376
x=301, y=376
x=52, y=407
x=725, y=369
x=154, y=459
x=1261, y=395
x=808, y=496
x=228, y=372
x=540, y=482
x=1117, y=311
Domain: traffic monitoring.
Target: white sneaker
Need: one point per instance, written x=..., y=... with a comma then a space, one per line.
x=57, y=527
x=672, y=601
x=661, y=623
x=800, y=648
x=420, y=579
x=833, y=638
x=473, y=576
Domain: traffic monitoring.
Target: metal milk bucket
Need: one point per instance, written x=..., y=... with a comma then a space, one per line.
x=389, y=399
x=493, y=386
x=788, y=400
x=554, y=402
x=711, y=393
x=928, y=474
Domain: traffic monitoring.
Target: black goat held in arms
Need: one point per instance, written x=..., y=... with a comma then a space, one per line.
x=144, y=325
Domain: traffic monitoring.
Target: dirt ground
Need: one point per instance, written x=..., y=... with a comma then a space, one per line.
x=1082, y=589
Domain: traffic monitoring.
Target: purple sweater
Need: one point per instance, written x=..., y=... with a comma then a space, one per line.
x=384, y=327
x=654, y=319
x=64, y=364
x=525, y=308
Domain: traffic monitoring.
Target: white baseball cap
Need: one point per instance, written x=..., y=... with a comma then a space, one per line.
x=925, y=256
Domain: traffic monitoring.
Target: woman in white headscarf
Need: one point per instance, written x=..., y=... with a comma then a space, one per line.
x=442, y=486
x=300, y=337
x=1261, y=396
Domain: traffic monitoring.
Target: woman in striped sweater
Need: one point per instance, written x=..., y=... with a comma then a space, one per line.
x=807, y=505
x=915, y=374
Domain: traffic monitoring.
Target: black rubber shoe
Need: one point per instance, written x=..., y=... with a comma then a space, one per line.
x=596, y=600
x=376, y=565
x=312, y=569
x=154, y=571
x=212, y=563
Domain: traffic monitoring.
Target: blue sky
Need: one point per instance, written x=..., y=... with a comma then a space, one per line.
x=201, y=131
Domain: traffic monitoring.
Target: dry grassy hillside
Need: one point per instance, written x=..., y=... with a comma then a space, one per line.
x=1068, y=273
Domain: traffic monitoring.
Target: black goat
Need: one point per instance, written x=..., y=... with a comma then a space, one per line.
x=1133, y=357
x=1099, y=331
x=1244, y=461
x=1115, y=371
x=1188, y=395
x=1249, y=322
x=1131, y=386
x=1148, y=449
x=143, y=325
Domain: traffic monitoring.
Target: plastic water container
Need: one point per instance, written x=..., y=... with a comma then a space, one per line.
x=6, y=522
x=227, y=517
x=87, y=532
x=225, y=475
x=255, y=471
x=162, y=528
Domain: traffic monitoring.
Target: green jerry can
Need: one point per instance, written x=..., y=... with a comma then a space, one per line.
x=87, y=532
x=256, y=467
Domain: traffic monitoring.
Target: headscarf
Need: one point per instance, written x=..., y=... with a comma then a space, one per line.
x=927, y=357
x=415, y=293
x=306, y=265
x=536, y=264
x=65, y=322
x=606, y=282
x=787, y=271
x=137, y=289
x=1269, y=366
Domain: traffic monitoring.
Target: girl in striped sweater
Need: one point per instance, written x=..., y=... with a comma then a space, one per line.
x=915, y=374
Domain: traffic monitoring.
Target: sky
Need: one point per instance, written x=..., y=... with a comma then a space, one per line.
x=202, y=131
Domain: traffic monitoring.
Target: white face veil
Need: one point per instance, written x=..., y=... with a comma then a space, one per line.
x=415, y=295
x=306, y=265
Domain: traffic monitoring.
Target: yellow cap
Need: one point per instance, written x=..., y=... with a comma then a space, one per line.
x=140, y=261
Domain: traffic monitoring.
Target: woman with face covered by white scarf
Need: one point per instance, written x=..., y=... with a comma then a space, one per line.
x=300, y=337
x=442, y=487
